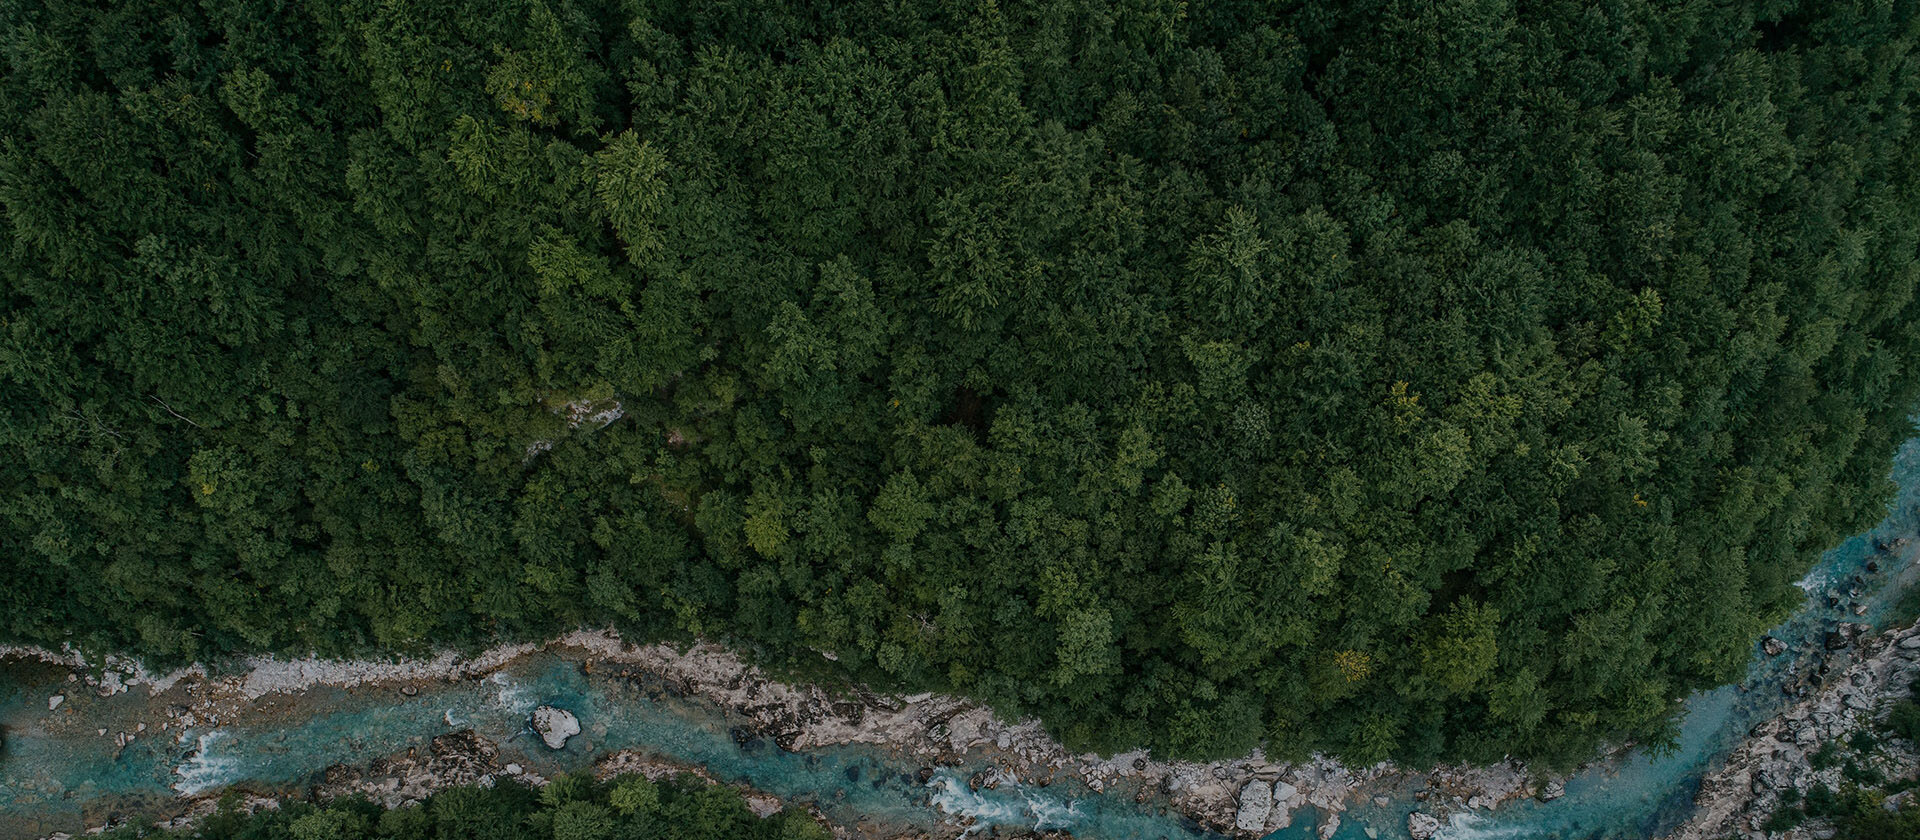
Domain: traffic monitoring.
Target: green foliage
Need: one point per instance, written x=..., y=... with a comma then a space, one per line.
x=1783, y=818
x=1903, y=720
x=634, y=795
x=1863, y=742
x=1463, y=651
x=1857, y=813
x=582, y=821
x=1424, y=382
x=681, y=809
x=1858, y=772
x=1827, y=757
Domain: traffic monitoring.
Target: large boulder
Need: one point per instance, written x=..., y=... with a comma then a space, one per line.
x=554, y=726
x=1773, y=646
x=1422, y=826
x=1256, y=803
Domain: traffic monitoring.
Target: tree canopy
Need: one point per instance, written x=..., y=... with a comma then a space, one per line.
x=1397, y=380
x=569, y=807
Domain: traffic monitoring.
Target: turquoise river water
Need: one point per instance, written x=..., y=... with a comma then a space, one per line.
x=59, y=773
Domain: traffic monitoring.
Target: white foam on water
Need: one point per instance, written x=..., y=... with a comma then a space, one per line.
x=452, y=722
x=203, y=770
x=1051, y=814
x=1818, y=578
x=513, y=696
x=1476, y=827
x=953, y=796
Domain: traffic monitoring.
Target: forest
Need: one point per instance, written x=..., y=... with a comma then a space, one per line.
x=1444, y=380
x=568, y=807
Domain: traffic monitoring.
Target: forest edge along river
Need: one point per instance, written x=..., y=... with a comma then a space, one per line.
x=85, y=746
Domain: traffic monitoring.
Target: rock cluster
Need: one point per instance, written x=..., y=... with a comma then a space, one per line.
x=456, y=758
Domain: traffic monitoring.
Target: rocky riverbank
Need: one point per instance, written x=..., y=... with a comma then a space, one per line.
x=1245, y=797
x=1222, y=796
x=1860, y=680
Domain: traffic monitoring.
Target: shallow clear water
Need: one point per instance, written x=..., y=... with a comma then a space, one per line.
x=58, y=773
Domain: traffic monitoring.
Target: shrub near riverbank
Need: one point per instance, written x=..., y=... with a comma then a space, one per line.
x=570, y=807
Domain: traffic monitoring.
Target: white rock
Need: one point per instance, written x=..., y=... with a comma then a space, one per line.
x=555, y=726
x=513, y=769
x=1911, y=642
x=1329, y=827
x=55, y=701
x=1421, y=826
x=1256, y=802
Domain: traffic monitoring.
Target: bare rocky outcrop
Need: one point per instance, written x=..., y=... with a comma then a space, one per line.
x=1865, y=677
x=450, y=760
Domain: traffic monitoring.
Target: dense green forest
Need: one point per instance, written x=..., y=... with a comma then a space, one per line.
x=572, y=807
x=1413, y=380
